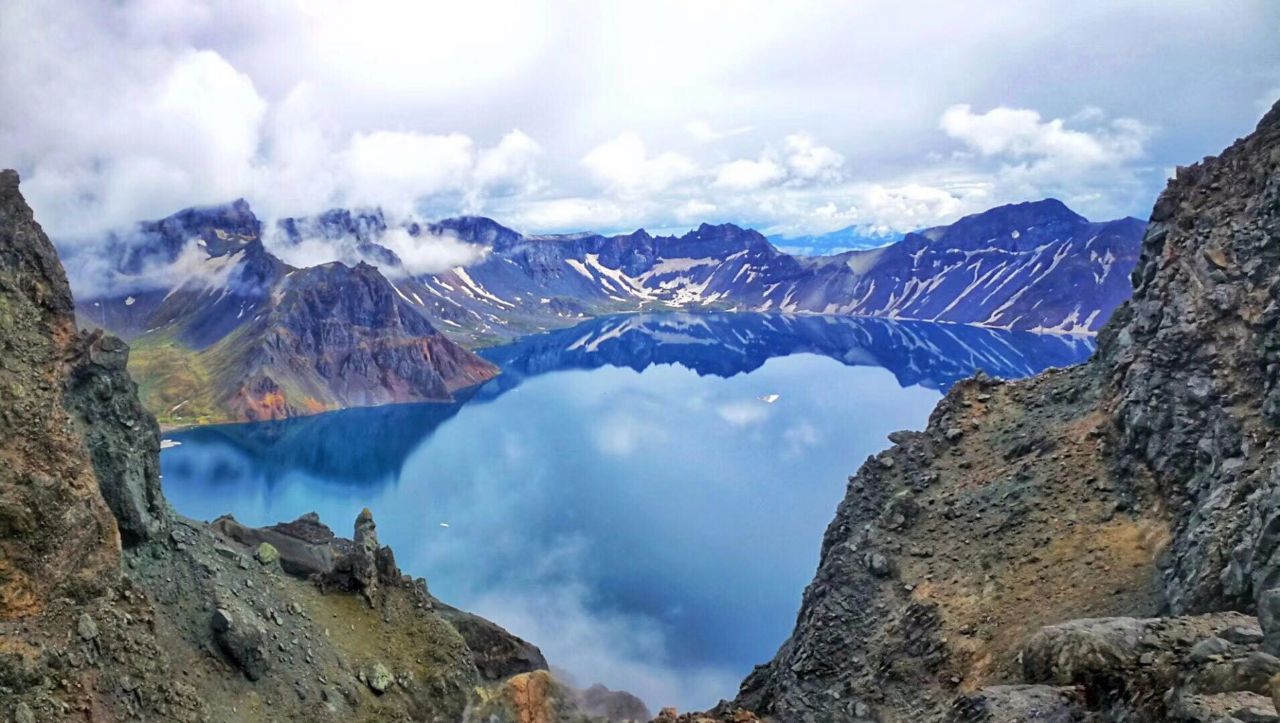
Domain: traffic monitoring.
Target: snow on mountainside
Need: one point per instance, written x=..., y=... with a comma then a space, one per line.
x=224, y=330
x=1032, y=266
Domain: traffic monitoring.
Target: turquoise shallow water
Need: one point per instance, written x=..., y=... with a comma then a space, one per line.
x=629, y=494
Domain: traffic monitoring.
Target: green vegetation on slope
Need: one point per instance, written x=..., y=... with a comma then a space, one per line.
x=174, y=382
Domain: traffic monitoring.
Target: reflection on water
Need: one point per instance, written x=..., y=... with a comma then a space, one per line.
x=622, y=495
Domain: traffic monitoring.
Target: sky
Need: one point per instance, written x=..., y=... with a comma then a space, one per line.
x=796, y=117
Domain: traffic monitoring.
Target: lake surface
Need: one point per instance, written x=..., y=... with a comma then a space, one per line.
x=629, y=494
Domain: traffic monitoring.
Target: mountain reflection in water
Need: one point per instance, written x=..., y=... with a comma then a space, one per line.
x=622, y=494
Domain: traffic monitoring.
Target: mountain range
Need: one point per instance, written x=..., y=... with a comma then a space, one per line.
x=224, y=329
x=238, y=334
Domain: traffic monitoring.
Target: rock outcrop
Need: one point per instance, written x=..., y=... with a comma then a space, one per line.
x=112, y=607
x=1069, y=546
x=58, y=539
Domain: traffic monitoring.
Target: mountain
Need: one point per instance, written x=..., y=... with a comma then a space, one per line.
x=1035, y=266
x=1096, y=543
x=113, y=607
x=219, y=334
x=234, y=333
x=849, y=238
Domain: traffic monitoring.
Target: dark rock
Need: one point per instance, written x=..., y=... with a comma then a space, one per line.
x=306, y=546
x=1209, y=648
x=1174, y=416
x=1020, y=704
x=497, y=653
x=122, y=437
x=612, y=705
x=86, y=628
x=245, y=644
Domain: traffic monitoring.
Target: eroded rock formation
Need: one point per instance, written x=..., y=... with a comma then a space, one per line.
x=112, y=607
x=1065, y=547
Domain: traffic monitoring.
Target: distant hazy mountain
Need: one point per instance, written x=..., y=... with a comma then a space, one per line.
x=849, y=238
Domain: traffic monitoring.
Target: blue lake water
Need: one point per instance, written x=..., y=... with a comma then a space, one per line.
x=628, y=494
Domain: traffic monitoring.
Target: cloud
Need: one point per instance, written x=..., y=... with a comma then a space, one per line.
x=703, y=132
x=387, y=167
x=188, y=136
x=622, y=651
x=623, y=164
x=1021, y=135
x=693, y=210
x=512, y=164
x=800, y=437
x=430, y=254
x=743, y=413
x=809, y=160
x=576, y=213
x=746, y=175
x=423, y=254
x=622, y=434
x=138, y=108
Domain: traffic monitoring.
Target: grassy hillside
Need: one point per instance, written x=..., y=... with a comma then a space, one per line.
x=175, y=383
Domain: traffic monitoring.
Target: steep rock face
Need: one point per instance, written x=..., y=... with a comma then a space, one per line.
x=121, y=436
x=1141, y=483
x=57, y=536
x=337, y=336
x=188, y=622
x=1192, y=365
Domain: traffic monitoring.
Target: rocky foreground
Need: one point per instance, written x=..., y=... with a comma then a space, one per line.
x=112, y=607
x=1096, y=543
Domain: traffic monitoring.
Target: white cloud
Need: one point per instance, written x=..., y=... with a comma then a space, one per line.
x=574, y=213
x=743, y=413
x=188, y=136
x=811, y=161
x=138, y=108
x=393, y=167
x=429, y=254
x=511, y=163
x=693, y=211
x=624, y=164
x=746, y=175
x=625, y=652
x=703, y=132
x=1020, y=134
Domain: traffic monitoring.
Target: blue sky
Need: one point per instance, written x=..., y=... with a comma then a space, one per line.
x=797, y=117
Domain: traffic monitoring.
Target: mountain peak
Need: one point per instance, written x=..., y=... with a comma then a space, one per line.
x=1044, y=210
x=477, y=229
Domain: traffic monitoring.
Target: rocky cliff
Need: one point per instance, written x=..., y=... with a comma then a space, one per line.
x=112, y=607
x=1096, y=543
x=223, y=330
